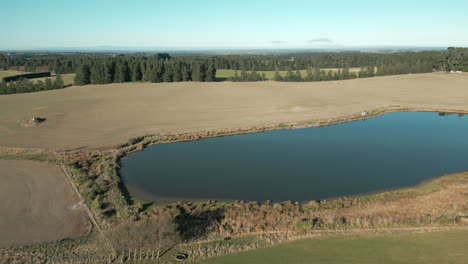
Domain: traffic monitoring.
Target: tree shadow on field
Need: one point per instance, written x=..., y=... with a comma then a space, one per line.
x=193, y=225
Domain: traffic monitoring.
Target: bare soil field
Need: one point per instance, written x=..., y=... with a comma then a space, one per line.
x=108, y=115
x=37, y=204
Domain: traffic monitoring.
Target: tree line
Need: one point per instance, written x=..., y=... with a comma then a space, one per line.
x=445, y=60
x=158, y=68
x=316, y=74
x=102, y=68
x=301, y=61
x=27, y=86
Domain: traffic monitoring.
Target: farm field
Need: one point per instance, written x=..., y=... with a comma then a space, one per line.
x=32, y=212
x=108, y=115
x=434, y=247
x=225, y=74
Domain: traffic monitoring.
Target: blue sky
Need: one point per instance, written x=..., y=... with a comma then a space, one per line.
x=29, y=24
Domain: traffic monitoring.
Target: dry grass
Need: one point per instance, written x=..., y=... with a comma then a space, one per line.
x=109, y=115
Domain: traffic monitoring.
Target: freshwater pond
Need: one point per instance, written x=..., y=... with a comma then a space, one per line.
x=388, y=151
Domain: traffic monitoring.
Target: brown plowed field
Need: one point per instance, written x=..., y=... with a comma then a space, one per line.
x=37, y=204
x=109, y=115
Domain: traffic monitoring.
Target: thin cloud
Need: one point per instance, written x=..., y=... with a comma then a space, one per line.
x=279, y=42
x=319, y=40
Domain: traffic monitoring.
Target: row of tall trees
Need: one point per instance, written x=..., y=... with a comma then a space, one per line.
x=148, y=69
x=301, y=61
x=28, y=86
x=311, y=75
x=246, y=76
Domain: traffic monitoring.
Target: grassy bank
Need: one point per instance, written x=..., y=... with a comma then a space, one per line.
x=433, y=247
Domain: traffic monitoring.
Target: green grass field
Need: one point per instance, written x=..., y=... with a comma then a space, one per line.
x=225, y=74
x=9, y=73
x=436, y=247
x=68, y=79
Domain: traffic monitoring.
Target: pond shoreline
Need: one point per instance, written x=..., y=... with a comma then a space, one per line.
x=167, y=138
x=150, y=140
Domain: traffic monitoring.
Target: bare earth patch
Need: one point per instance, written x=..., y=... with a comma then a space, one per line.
x=37, y=204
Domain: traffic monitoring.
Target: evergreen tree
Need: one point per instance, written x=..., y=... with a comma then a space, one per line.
x=159, y=71
x=177, y=72
x=346, y=74
x=370, y=71
x=330, y=76
x=235, y=77
x=58, y=83
x=290, y=76
x=211, y=73
x=198, y=72
x=298, y=76
x=168, y=72
x=309, y=75
x=3, y=88
x=186, y=73
x=48, y=84
x=136, y=73
x=317, y=75
x=122, y=72
x=244, y=76
x=97, y=74
x=39, y=86
x=109, y=72
x=83, y=75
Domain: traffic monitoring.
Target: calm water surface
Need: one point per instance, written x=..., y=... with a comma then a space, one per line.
x=392, y=150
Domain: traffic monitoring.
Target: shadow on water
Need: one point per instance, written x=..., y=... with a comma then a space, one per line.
x=446, y=114
x=131, y=200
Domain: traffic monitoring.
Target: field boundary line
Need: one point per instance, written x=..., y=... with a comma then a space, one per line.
x=88, y=211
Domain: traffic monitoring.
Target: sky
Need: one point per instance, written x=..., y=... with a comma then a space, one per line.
x=275, y=24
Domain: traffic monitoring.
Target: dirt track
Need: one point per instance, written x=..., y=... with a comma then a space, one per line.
x=108, y=115
x=37, y=204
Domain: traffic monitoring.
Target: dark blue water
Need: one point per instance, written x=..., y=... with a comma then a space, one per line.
x=392, y=150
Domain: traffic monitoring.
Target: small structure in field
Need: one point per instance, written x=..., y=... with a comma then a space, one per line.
x=364, y=113
x=35, y=121
x=181, y=256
